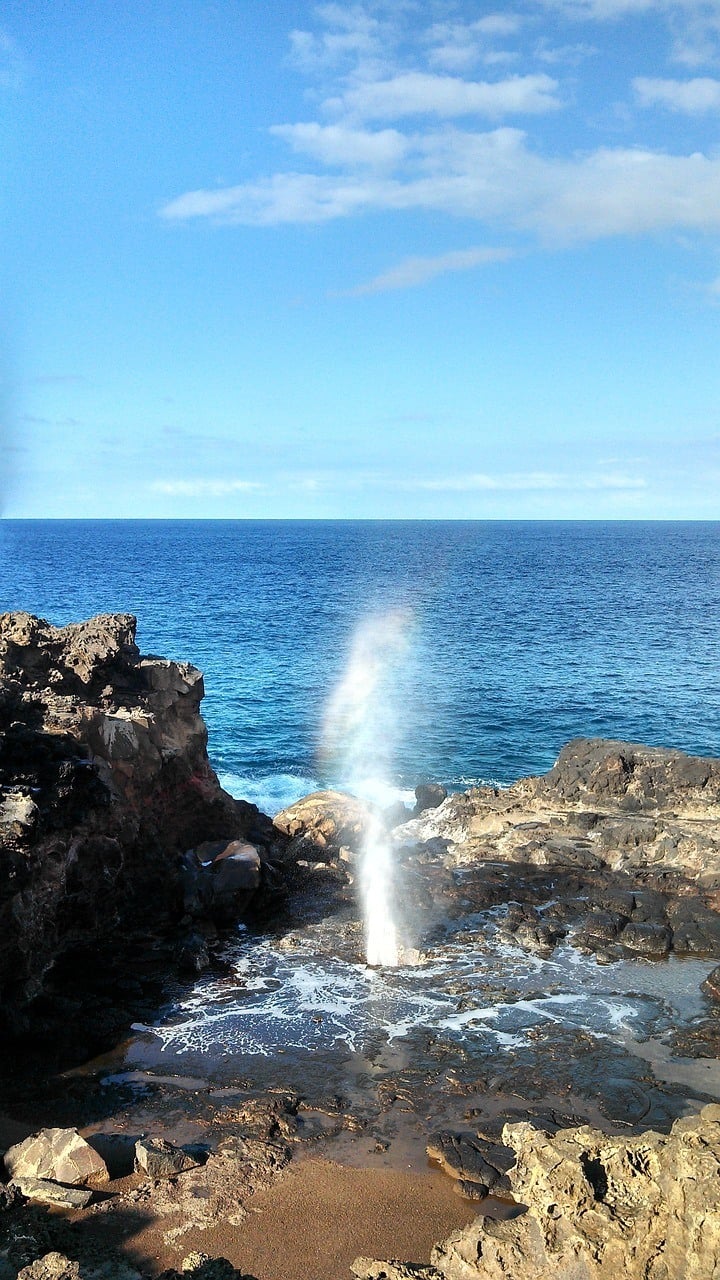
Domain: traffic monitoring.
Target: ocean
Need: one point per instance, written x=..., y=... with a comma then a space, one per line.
x=512, y=637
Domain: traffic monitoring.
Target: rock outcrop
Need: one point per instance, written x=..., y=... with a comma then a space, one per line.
x=104, y=782
x=645, y=1208
x=627, y=837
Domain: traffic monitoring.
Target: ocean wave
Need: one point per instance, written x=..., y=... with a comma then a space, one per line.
x=270, y=792
x=275, y=791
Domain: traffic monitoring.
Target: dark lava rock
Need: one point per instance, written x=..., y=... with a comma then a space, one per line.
x=104, y=781
x=599, y=768
x=647, y=939
x=429, y=795
x=471, y=1159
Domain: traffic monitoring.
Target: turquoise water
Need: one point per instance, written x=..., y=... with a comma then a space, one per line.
x=521, y=635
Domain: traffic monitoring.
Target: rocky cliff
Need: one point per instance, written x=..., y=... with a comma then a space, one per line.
x=104, y=782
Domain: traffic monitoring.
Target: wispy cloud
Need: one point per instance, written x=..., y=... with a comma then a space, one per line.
x=494, y=177
x=418, y=271
x=422, y=93
x=530, y=481
x=336, y=144
x=691, y=96
x=457, y=46
x=204, y=488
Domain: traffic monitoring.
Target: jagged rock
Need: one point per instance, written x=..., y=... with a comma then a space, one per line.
x=104, y=781
x=471, y=1160
x=58, y=1154
x=647, y=939
x=199, y=1266
x=158, y=1158
x=329, y=819
x=45, y=1191
x=53, y=1266
x=644, y=1208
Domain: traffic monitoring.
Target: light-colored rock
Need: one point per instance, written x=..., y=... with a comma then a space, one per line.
x=601, y=1208
x=329, y=819
x=370, y=1269
x=45, y=1191
x=60, y=1155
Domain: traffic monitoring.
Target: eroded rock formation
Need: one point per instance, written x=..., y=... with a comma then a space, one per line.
x=596, y=1206
x=104, y=781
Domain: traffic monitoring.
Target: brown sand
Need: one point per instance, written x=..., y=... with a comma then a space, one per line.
x=321, y=1216
x=311, y=1224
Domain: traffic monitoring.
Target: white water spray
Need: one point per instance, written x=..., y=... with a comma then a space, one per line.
x=360, y=729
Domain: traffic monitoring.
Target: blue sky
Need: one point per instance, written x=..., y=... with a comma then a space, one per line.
x=369, y=260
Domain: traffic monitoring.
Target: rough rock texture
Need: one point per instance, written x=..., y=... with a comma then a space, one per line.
x=645, y=1208
x=627, y=837
x=158, y=1158
x=45, y=1191
x=59, y=1154
x=322, y=823
x=603, y=804
x=56, y=1266
x=104, y=781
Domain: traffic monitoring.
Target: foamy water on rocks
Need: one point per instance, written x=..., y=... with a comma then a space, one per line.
x=304, y=1004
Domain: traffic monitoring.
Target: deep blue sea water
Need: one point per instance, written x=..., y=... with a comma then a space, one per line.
x=521, y=635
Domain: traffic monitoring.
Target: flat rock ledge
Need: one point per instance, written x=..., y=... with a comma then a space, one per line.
x=644, y=1208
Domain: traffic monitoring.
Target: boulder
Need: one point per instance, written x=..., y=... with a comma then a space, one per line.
x=52, y=1266
x=329, y=820
x=58, y=1154
x=158, y=1158
x=429, y=795
x=45, y=1191
x=472, y=1160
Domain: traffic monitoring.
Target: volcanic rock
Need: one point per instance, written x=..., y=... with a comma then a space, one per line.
x=597, y=1206
x=104, y=782
x=618, y=845
x=429, y=795
x=328, y=820
x=158, y=1158
x=45, y=1191
x=58, y=1154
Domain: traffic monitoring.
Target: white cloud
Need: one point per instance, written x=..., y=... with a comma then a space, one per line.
x=496, y=178
x=422, y=93
x=204, y=488
x=336, y=144
x=691, y=96
x=352, y=33
x=457, y=46
x=531, y=481
x=417, y=271
x=357, y=164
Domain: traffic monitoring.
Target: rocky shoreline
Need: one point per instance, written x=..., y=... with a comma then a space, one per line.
x=124, y=865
